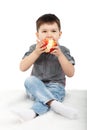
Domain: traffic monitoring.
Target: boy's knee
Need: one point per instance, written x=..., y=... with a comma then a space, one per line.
x=29, y=80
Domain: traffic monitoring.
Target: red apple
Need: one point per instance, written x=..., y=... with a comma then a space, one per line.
x=49, y=43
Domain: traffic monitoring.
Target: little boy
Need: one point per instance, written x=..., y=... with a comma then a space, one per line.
x=47, y=81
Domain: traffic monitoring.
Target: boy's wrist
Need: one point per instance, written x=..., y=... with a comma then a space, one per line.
x=60, y=55
x=36, y=53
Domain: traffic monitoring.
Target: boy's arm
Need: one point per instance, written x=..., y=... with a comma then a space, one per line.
x=66, y=65
x=26, y=63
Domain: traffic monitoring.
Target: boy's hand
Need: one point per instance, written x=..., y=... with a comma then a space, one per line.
x=57, y=51
x=40, y=47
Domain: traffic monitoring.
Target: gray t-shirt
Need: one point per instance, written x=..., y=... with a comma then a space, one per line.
x=47, y=67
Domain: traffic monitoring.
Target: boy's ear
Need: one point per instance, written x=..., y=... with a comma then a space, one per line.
x=36, y=34
x=60, y=33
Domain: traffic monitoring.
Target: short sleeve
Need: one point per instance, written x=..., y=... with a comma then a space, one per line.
x=31, y=49
x=66, y=52
x=69, y=57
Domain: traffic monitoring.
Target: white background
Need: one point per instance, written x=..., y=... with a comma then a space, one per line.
x=17, y=33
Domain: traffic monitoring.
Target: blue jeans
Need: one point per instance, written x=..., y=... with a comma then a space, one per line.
x=43, y=93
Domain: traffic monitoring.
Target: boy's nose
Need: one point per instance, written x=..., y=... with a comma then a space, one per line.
x=49, y=35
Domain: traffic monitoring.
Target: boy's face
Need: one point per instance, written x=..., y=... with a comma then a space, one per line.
x=49, y=31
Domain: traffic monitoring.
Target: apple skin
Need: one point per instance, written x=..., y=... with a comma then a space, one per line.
x=49, y=43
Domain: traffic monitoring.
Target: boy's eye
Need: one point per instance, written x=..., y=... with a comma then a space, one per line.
x=44, y=31
x=53, y=30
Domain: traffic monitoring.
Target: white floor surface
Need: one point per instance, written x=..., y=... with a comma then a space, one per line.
x=50, y=121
